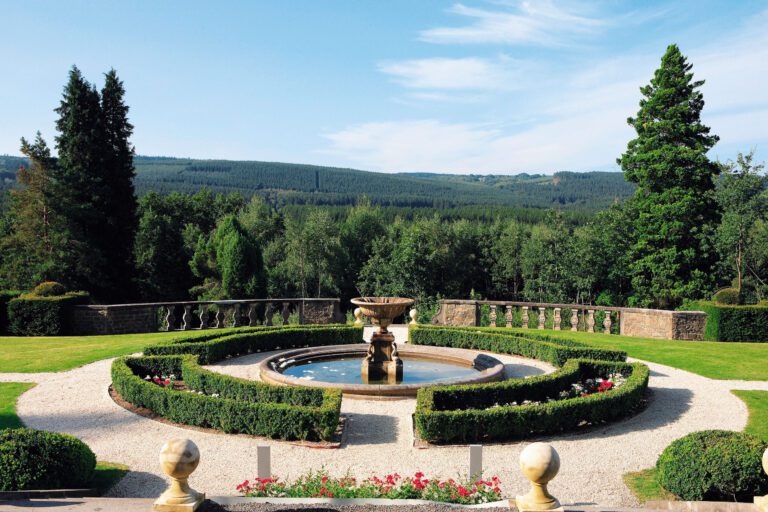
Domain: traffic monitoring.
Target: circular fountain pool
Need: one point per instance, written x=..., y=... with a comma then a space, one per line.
x=339, y=366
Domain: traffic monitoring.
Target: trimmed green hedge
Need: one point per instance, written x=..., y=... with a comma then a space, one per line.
x=495, y=339
x=216, y=347
x=30, y=315
x=733, y=323
x=461, y=414
x=5, y=297
x=242, y=406
x=34, y=459
x=714, y=465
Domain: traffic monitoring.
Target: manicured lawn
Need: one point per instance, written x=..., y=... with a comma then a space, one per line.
x=716, y=360
x=757, y=403
x=59, y=353
x=9, y=392
x=645, y=487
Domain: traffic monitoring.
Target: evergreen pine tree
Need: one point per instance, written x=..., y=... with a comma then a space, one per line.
x=674, y=209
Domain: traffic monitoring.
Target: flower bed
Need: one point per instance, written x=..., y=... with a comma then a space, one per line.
x=392, y=486
x=227, y=403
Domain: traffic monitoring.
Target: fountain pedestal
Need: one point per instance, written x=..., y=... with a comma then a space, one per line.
x=382, y=362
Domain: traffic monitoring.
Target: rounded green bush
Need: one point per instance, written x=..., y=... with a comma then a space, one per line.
x=713, y=465
x=728, y=296
x=35, y=459
x=49, y=289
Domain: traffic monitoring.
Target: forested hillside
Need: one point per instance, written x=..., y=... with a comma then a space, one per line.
x=287, y=184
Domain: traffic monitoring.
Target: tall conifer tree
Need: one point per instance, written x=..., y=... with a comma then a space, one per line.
x=674, y=209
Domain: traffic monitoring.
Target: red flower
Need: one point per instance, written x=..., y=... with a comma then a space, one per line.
x=419, y=474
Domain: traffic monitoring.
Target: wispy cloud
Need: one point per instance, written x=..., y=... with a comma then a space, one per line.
x=528, y=22
x=442, y=73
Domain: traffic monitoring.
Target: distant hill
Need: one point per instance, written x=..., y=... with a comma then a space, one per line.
x=301, y=184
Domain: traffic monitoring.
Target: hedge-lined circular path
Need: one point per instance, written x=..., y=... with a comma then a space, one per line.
x=379, y=436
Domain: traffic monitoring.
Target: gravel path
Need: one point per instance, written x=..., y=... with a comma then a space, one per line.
x=379, y=436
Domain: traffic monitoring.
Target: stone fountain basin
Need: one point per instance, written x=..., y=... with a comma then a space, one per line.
x=488, y=368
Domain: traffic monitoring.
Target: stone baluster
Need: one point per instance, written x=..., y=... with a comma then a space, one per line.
x=268, y=312
x=525, y=317
x=539, y=463
x=236, y=316
x=556, y=320
x=542, y=316
x=203, y=315
x=574, y=319
x=607, y=323
x=493, y=315
x=253, y=320
x=286, y=312
x=170, y=317
x=590, y=320
x=508, y=316
x=186, y=318
x=219, y=317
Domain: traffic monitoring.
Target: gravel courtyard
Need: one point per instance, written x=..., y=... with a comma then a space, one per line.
x=379, y=435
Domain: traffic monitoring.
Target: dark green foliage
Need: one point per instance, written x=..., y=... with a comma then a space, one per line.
x=462, y=414
x=5, y=297
x=728, y=296
x=30, y=315
x=504, y=341
x=34, y=459
x=733, y=323
x=714, y=465
x=242, y=406
x=674, y=209
x=216, y=347
x=48, y=289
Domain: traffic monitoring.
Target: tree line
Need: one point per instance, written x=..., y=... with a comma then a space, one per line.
x=692, y=225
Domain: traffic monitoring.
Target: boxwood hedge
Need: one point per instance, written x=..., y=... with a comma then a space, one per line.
x=241, y=406
x=733, y=323
x=32, y=315
x=494, y=339
x=461, y=414
x=5, y=296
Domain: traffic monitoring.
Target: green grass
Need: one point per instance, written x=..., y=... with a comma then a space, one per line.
x=757, y=403
x=645, y=486
x=716, y=360
x=59, y=353
x=106, y=475
x=9, y=392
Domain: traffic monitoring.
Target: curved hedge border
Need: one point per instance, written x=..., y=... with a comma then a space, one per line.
x=242, y=406
x=495, y=339
x=468, y=413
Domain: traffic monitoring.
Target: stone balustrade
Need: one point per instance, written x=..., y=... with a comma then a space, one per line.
x=650, y=323
x=188, y=315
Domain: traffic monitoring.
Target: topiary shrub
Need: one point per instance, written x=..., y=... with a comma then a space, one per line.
x=728, y=296
x=49, y=289
x=713, y=465
x=34, y=459
x=31, y=315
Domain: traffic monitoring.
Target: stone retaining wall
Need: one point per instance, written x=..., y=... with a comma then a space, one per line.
x=114, y=319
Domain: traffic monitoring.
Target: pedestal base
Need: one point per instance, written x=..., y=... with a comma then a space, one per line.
x=390, y=372
x=762, y=503
x=175, y=504
x=529, y=503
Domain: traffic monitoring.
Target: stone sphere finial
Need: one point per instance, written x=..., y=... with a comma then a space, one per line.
x=358, y=316
x=179, y=459
x=539, y=463
x=414, y=314
x=762, y=501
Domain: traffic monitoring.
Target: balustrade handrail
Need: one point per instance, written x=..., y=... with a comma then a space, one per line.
x=223, y=302
x=549, y=305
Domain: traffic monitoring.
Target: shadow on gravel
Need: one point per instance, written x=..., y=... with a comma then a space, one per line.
x=370, y=429
x=139, y=484
x=654, y=373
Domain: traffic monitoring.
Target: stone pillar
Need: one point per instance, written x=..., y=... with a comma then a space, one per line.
x=574, y=319
x=493, y=315
x=542, y=316
x=508, y=315
x=556, y=320
x=186, y=318
x=607, y=323
x=590, y=320
x=253, y=320
x=179, y=459
x=539, y=463
x=525, y=317
x=170, y=317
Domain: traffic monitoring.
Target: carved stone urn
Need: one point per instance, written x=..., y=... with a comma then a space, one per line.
x=382, y=361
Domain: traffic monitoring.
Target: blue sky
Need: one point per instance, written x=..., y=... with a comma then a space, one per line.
x=488, y=86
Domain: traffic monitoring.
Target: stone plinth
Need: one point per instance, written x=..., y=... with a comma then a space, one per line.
x=662, y=324
x=463, y=313
x=321, y=311
x=114, y=319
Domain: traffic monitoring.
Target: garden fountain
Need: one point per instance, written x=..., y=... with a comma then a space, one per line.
x=382, y=362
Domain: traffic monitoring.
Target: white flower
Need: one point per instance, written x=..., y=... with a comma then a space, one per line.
x=147, y=378
x=215, y=395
